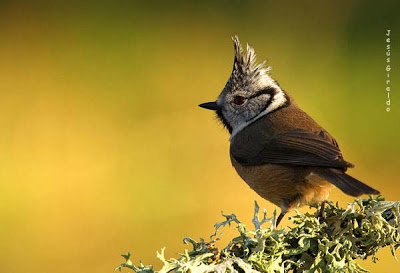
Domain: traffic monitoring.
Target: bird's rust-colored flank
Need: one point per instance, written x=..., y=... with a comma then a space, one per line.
x=285, y=186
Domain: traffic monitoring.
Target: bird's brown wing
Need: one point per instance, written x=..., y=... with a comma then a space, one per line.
x=297, y=147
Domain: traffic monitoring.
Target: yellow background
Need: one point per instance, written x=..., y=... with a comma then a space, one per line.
x=103, y=149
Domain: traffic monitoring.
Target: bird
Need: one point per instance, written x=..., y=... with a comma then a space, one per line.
x=282, y=153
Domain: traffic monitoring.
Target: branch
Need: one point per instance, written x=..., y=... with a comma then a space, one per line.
x=313, y=245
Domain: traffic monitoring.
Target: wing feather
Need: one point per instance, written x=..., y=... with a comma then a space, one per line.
x=297, y=147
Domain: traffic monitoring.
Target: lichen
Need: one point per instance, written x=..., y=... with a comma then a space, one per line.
x=332, y=244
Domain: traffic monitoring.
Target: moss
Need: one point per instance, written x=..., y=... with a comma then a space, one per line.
x=333, y=244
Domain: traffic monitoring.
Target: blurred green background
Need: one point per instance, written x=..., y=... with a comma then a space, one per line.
x=103, y=147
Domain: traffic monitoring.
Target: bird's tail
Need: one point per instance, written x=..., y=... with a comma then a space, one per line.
x=345, y=182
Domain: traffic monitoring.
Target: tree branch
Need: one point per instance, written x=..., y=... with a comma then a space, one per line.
x=312, y=245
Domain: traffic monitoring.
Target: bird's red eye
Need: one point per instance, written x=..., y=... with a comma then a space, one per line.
x=239, y=100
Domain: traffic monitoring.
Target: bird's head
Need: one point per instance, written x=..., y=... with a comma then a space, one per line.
x=249, y=94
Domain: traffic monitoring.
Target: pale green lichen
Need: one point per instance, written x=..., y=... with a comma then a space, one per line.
x=332, y=244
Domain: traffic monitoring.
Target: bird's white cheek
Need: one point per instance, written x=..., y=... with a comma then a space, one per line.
x=278, y=100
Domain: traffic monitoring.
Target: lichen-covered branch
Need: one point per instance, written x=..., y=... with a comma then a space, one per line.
x=333, y=244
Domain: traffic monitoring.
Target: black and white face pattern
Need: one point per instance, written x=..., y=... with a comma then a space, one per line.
x=250, y=92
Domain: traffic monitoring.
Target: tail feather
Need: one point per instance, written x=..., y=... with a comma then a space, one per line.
x=345, y=182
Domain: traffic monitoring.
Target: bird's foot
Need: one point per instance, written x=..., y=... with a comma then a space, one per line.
x=322, y=214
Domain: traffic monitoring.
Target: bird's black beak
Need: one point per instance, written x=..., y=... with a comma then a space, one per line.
x=210, y=106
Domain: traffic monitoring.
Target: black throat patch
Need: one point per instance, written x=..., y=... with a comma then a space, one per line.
x=224, y=121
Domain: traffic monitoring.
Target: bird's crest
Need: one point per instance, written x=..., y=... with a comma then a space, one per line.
x=245, y=64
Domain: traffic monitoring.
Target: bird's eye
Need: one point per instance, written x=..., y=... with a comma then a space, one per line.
x=239, y=100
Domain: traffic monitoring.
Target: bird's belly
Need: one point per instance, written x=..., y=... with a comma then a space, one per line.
x=285, y=186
